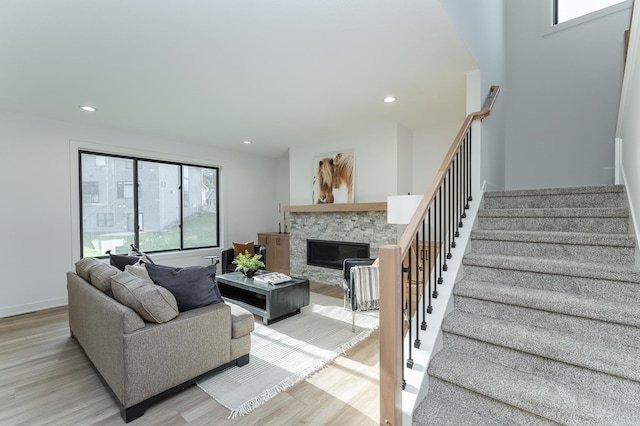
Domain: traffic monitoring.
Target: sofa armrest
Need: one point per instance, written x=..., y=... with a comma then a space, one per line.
x=226, y=257
x=98, y=323
x=162, y=356
x=263, y=251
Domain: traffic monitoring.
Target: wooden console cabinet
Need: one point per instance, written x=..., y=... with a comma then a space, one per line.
x=277, y=251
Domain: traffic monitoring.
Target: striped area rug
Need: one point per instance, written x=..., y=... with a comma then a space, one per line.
x=287, y=351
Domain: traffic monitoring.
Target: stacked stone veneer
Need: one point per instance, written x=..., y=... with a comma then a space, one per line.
x=360, y=227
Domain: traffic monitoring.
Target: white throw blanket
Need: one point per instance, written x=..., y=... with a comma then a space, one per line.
x=366, y=286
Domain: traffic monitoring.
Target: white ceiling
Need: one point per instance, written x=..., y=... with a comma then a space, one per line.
x=224, y=71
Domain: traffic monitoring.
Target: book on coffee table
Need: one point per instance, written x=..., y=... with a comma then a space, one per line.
x=272, y=278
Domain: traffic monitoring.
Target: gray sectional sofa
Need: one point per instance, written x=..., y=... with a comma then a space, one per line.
x=141, y=361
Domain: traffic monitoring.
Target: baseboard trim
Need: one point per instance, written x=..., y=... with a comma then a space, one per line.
x=32, y=307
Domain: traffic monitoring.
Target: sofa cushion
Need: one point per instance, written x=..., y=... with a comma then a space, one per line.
x=140, y=271
x=193, y=286
x=240, y=248
x=152, y=302
x=84, y=265
x=101, y=276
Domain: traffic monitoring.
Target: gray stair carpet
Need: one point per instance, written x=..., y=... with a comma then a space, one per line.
x=546, y=321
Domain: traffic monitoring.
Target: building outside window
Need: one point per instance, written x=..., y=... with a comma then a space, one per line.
x=125, y=189
x=179, y=210
x=90, y=192
x=566, y=10
x=105, y=220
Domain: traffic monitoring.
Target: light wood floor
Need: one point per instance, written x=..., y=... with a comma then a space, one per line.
x=45, y=378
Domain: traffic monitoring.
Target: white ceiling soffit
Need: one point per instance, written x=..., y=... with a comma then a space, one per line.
x=221, y=72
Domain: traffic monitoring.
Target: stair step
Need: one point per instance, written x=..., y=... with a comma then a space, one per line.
x=528, y=392
x=553, y=344
x=588, y=196
x=593, y=220
x=450, y=405
x=611, y=282
x=578, y=378
x=596, y=319
x=585, y=247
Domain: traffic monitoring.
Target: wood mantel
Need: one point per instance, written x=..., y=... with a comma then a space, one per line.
x=342, y=207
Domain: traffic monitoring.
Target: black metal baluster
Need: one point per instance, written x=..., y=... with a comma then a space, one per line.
x=429, y=308
x=470, y=159
x=425, y=266
x=416, y=342
x=463, y=172
x=457, y=191
x=435, y=288
x=440, y=235
x=444, y=245
x=451, y=215
x=404, y=381
x=437, y=237
x=407, y=288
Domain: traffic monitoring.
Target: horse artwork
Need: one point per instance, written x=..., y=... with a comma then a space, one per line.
x=333, y=178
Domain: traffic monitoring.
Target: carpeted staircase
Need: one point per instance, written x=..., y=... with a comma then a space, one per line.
x=546, y=321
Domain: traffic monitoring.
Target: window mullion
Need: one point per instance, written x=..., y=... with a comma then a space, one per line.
x=180, y=225
x=136, y=214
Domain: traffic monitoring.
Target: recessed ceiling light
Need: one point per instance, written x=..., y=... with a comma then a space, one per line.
x=87, y=108
x=389, y=99
x=247, y=142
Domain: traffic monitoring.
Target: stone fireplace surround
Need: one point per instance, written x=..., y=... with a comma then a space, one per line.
x=354, y=222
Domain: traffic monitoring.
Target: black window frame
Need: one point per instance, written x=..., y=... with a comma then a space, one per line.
x=136, y=213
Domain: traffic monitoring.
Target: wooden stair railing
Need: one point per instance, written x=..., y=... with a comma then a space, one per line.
x=437, y=219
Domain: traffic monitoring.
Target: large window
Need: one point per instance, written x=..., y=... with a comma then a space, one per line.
x=565, y=10
x=178, y=211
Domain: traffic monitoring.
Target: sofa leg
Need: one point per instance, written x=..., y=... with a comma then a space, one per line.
x=243, y=360
x=134, y=412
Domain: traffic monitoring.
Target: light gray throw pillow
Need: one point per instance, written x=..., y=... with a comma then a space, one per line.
x=84, y=265
x=101, y=276
x=139, y=270
x=152, y=302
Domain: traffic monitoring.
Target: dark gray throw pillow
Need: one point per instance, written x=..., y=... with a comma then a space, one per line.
x=122, y=260
x=193, y=286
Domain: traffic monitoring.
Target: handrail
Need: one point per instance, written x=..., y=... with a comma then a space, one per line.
x=454, y=176
x=405, y=240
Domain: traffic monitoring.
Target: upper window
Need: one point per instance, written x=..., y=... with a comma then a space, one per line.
x=565, y=10
x=179, y=209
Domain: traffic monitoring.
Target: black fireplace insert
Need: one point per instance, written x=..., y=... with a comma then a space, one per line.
x=331, y=254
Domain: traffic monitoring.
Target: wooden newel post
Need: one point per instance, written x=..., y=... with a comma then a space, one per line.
x=390, y=335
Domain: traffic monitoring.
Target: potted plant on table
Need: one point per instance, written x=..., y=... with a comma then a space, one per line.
x=248, y=263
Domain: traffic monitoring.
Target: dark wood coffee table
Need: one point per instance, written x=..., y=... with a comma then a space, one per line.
x=270, y=301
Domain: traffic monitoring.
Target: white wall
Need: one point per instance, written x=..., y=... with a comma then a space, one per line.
x=564, y=88
x=376, y=171
x=282, y=192
x=481, y=25
x=405, y=164
x=39, y=225
x=628, y=130
x=429, y=149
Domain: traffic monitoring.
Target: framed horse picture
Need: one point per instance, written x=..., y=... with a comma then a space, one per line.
x=333, y=178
